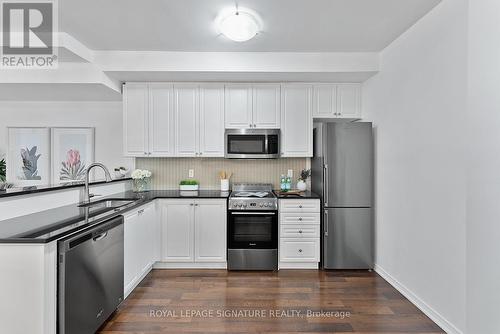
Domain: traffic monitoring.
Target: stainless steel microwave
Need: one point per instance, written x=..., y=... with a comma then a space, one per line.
x=252, y=143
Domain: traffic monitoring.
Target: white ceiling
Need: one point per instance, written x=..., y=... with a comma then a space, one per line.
x=288, y=25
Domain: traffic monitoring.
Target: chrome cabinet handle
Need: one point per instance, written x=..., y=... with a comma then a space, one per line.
x=300, y=219
x=196, y=204
x=300, y=250
x=191, y=204
x=300, y=206
x=300, y=231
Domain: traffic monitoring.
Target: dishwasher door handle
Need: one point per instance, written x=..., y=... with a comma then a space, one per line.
x=100, y=236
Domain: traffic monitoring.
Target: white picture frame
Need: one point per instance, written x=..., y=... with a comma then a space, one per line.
x=28, y=156
x=72, y=151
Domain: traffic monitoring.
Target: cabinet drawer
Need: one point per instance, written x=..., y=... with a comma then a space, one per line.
x=300, y=218
x=299, y=205
x=299, y=250
x=299, y=231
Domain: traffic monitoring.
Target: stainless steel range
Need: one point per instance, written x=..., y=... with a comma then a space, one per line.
x=252, y=228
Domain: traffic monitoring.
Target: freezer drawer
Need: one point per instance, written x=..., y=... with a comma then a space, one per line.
x=348, y=238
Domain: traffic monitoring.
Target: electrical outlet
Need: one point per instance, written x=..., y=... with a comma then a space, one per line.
x=191, y=173
x=290, y=173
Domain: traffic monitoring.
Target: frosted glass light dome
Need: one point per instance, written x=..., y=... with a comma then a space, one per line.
x=239, y=26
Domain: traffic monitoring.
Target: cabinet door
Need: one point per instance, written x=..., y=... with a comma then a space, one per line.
x=266, y=106
x=186, y=115
x=146, y=217
x=131, y=255
x=349, y=101
x=211, y=120
x=238, y=106
x=324, y=100
x=210, y=231
x=178, y=231
x=161, y=120
x=296, y=120
x=135, y=119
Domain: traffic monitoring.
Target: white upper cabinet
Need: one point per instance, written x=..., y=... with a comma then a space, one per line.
x=337, y=101
x=238, y=106
x=349, y=101
x=296, y=120
x=252, y=106
x=148, y=123
x=211, y=134
x=266, y=106
x=186, y=106
x=135, y=119
x=324, y=100
x=161, y=120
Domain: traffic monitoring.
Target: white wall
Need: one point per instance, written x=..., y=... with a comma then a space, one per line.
x=417, y=103
x=483, y=177
x=106, y=117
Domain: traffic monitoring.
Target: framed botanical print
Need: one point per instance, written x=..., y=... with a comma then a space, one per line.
x=72, y=152
x=28, y=156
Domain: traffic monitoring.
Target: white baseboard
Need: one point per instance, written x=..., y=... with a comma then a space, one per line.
x=190, y=265
x=298, y=265
x=441, y=321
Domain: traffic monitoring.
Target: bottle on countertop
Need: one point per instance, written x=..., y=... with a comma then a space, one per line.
x=288, y=183
x=283, y=183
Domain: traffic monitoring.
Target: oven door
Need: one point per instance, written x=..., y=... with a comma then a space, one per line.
x=252, y=144
x=253, y=230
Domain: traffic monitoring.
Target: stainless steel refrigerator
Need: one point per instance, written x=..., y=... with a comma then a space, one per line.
x=342, y=174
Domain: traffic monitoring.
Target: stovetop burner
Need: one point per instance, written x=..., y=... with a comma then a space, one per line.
x=257, y=196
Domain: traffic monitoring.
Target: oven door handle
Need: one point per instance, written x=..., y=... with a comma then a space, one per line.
x=254, y=213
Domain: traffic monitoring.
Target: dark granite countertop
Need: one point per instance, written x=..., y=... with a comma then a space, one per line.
x=52, y=224
x=51, y=187
x=302, y=195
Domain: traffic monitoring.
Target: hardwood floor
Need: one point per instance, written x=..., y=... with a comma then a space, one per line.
x=202, y=301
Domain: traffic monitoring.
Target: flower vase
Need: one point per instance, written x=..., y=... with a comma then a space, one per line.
x=301, y=185
x=141, y=185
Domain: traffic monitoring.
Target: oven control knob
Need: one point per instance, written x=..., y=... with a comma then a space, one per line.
x=270, y=204
x=266, y=205
x=240, y=205
x=261, y=205
x=245, y=205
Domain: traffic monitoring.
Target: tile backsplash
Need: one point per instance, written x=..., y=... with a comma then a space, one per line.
x=167, y=172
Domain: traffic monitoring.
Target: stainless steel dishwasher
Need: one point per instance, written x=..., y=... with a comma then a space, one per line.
x=90, y=270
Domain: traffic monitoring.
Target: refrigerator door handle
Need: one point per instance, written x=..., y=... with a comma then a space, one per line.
x=325, y=222
x=325, y=183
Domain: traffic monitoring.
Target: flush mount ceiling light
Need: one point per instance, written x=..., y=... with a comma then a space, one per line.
x=238, y=25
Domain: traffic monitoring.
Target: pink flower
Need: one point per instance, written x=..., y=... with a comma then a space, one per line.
x=73, y=158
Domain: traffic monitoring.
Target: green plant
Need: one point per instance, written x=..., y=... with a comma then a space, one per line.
x=305, y=174
x=3, y=170
x=188, y=183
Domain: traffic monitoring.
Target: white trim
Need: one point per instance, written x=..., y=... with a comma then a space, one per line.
x=441, y=321
x=298, y=265
x=190, y=265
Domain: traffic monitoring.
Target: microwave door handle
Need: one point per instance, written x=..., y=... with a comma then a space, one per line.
x=266, y=145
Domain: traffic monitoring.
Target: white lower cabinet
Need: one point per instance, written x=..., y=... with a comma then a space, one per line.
x=193, y=233
x=139, y=245
x=299, y=245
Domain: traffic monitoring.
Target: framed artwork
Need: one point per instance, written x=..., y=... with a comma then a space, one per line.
x=72, y=151
x=28, y=156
